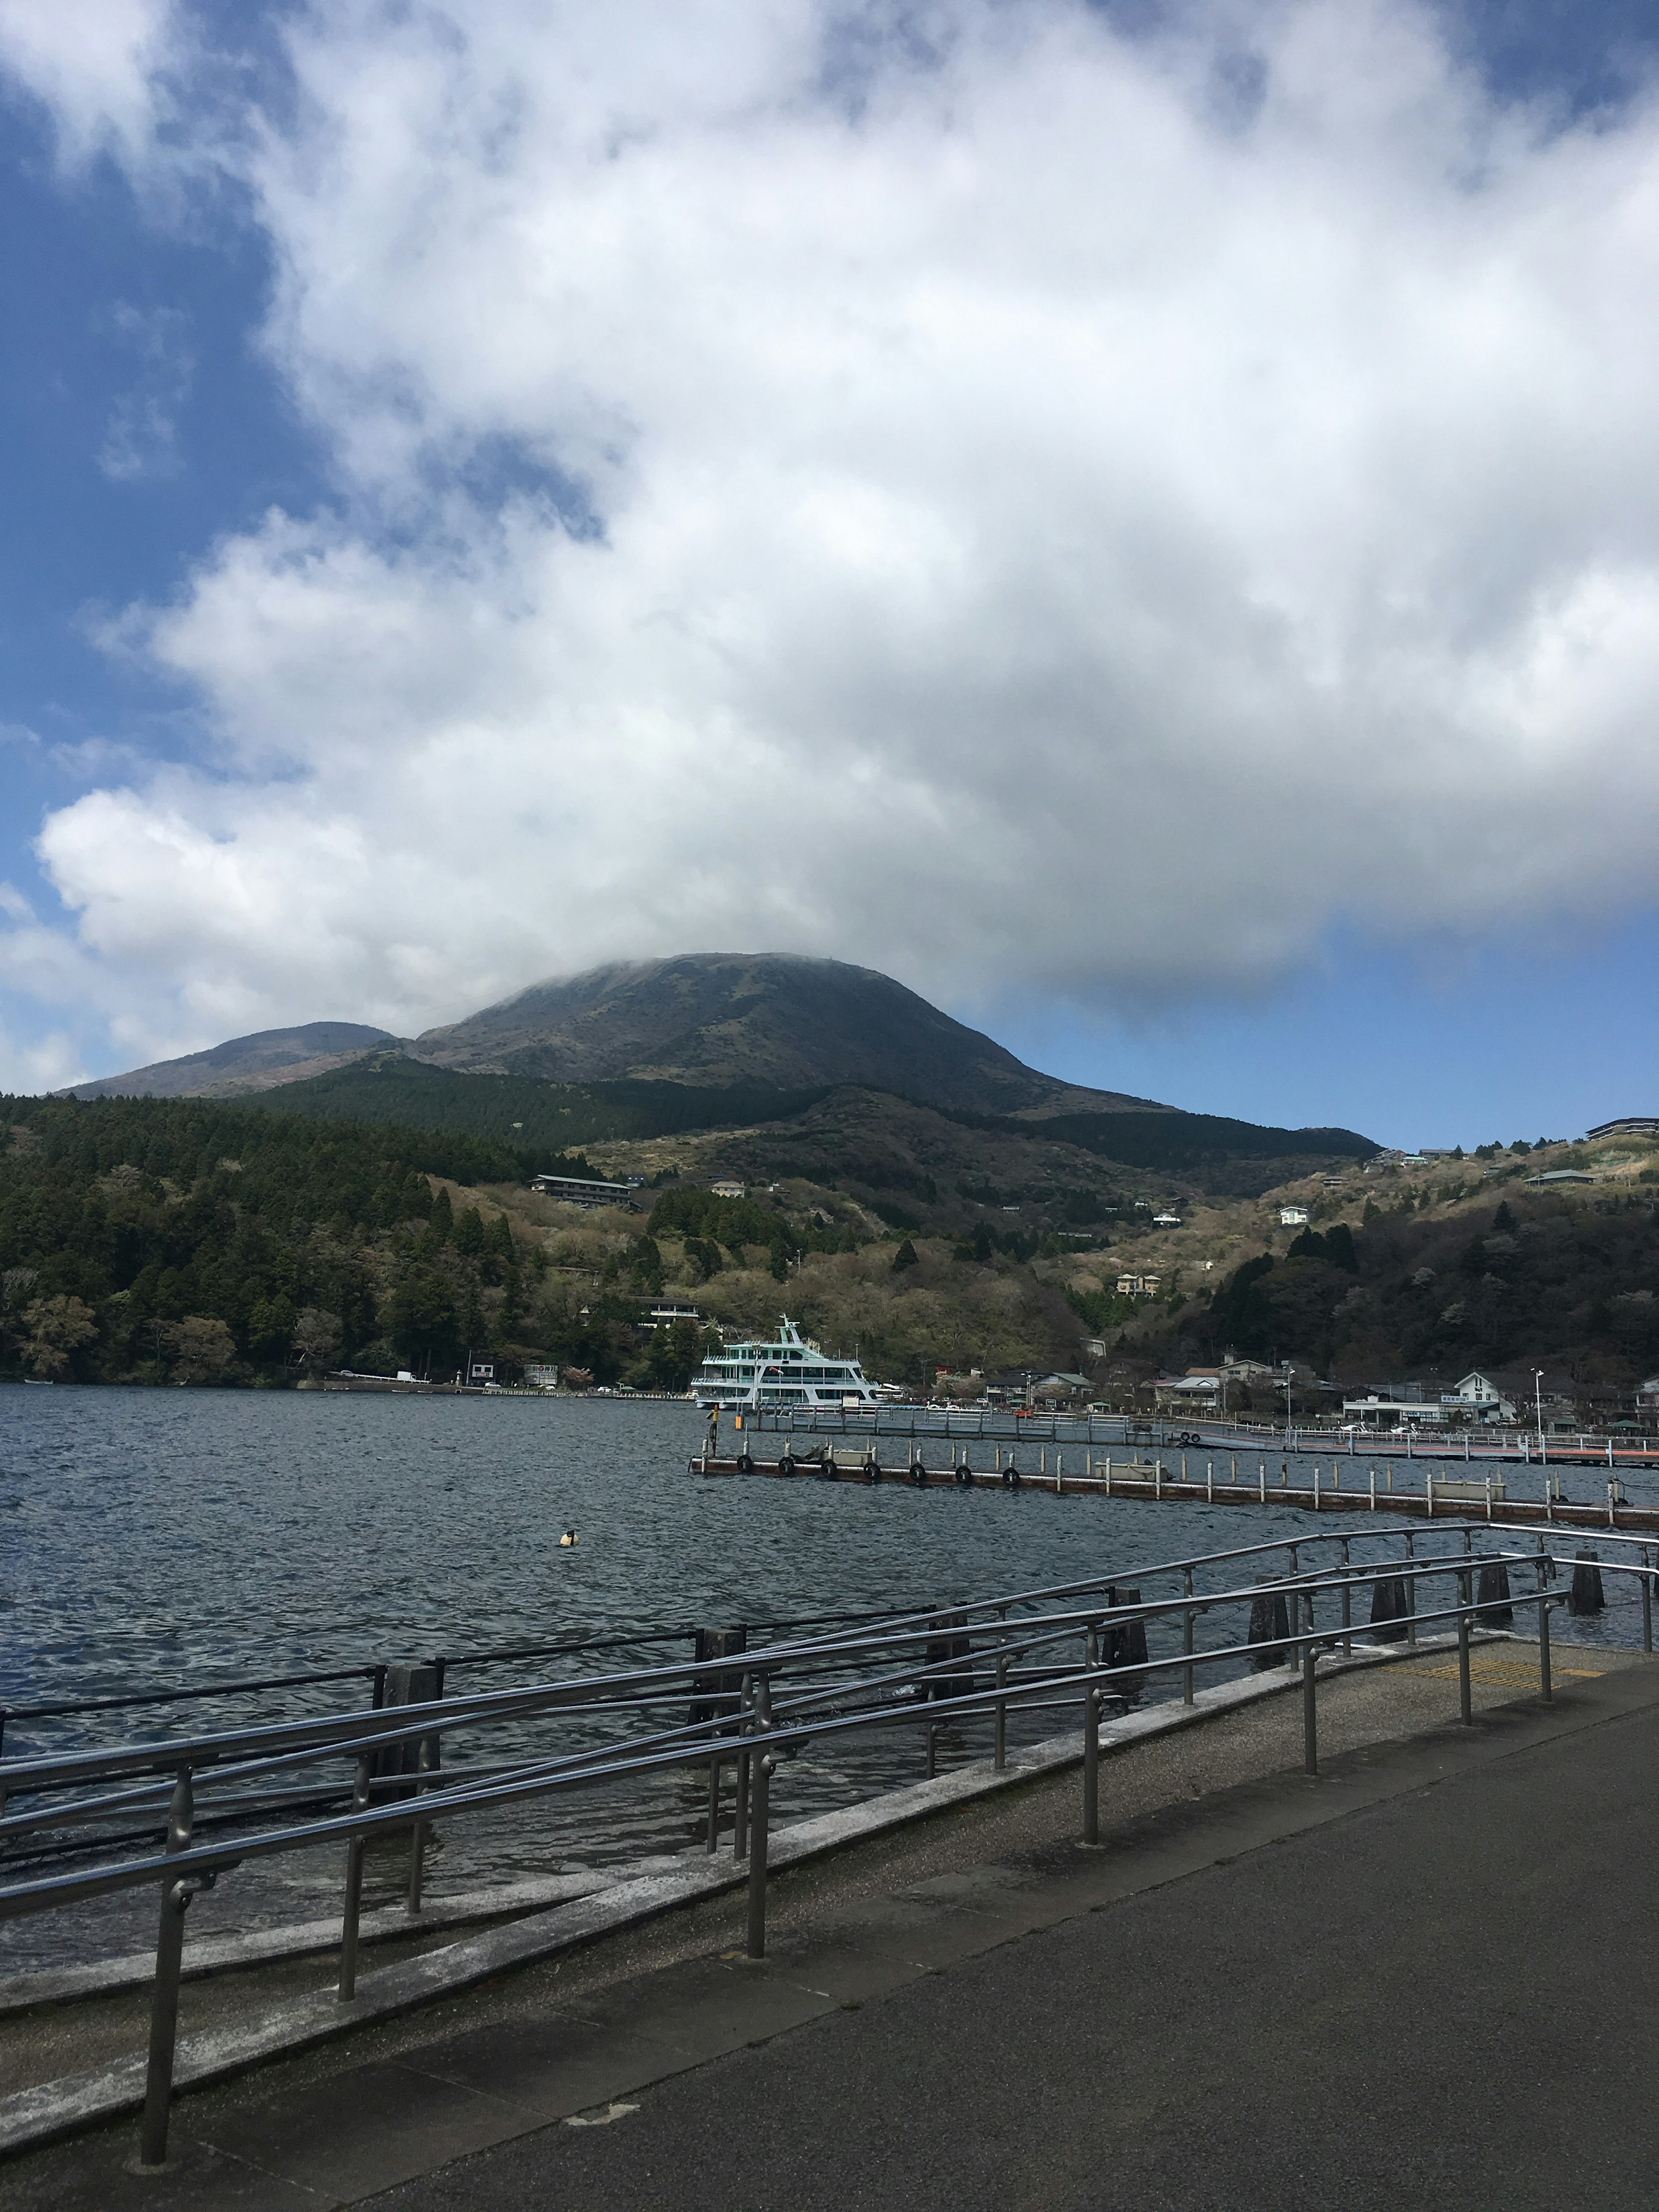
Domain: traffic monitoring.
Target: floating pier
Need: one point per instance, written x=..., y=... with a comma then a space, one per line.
x=1182, y=1483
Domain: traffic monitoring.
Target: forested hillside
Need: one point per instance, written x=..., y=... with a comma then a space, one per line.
x=154, y=1239
x=1566, y=1282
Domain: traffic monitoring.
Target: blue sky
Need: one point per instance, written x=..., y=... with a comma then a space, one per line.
x=1203, y=643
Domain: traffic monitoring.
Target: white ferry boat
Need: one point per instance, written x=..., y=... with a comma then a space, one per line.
x=788, y=1370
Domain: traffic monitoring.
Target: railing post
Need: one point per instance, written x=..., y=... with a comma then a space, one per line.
x=1647, y=1603
x=169, y=1962
x=1347, y=1603
x=1465, y=1704
x=740, y=1817
x=1090, y=1765
x=763, y=1765
x=353, y=1890
x=1411, y=1592
x=1545, y=1688
x=1186, y=1639
x=417, y=1836
x=1309, y=1693
x=1293, y=1656
x=715, y=1804
x=1001, y=1757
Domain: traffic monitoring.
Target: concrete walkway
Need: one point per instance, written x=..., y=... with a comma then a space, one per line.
x=1426, y=1974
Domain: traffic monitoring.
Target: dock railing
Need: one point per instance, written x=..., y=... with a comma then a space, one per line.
x=221, y=1799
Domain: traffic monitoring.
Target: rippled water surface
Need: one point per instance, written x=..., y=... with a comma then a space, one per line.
x=168, y=1538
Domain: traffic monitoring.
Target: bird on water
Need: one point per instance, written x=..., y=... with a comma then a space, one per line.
x=567, y=1541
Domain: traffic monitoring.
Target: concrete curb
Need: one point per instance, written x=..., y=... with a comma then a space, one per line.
x=259, y=1947
x=55, y=2109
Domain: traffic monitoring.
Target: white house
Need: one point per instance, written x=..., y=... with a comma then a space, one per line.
x=726, y=1188
x=1166, y=1221
x=1479, y=1394
x=1294, y=1217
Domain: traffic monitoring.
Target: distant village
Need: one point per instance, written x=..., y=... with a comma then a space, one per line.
x=1238, y=1391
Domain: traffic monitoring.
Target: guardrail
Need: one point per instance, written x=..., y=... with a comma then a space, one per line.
x=1076, y=1646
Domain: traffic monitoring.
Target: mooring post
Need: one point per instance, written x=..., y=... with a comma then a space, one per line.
x=764, y=1763
x=354, y=1887
x=1465, y=1704
x=169, y=1960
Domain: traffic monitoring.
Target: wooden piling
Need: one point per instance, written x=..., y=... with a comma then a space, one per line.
x=1585, y=1596
x=1270, y=1628
x=1496, y=1611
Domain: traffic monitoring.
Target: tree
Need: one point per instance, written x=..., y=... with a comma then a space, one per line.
x=271, y=1328
x=676, y=1353
x=203, y=1349
x=317, y=1338
x=58, y=1327
x=904, y=1257
x=424, y=1325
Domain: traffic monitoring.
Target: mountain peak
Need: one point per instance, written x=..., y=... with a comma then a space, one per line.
x=771, y=1020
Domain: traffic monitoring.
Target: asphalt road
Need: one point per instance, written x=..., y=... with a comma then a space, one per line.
x=1430, y=1976
x=1447, y=1997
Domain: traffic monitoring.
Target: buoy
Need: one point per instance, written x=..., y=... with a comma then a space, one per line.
x=567, y=1541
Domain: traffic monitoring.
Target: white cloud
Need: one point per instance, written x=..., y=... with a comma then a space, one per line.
x=1058, y=524
x=94, y=65
x=140, y=439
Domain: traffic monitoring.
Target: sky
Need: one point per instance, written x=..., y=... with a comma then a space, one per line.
x=1142, y=521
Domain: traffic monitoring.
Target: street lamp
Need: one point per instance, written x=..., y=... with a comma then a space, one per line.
x=1537, y=1401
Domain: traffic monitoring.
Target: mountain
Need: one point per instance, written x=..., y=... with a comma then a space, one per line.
x=259, y=1062
x=763, y=1021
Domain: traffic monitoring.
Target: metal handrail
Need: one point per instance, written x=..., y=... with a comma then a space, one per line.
x=825, y=1685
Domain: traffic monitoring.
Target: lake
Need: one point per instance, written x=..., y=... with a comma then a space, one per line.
x=166, y=1538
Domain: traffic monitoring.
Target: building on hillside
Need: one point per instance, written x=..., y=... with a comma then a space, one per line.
x=1646, y=1394
x=580, y=1190
x=1166, y=1221
x=667, y=1311
x=540, y=1374
x=1199, y=1386
x=1632, y=1125
x=726, y=1188
x=1294, y=1217
x=1139, y=1286
x=1477, y=1394
x=1068, y=1390
x=1552, y=1176
x=1375, y=1412
x=1015, y=1387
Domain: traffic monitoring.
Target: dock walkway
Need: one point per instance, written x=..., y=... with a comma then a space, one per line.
x=1351, y=1487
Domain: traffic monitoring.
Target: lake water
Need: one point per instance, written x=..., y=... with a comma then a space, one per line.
x=167, y=1538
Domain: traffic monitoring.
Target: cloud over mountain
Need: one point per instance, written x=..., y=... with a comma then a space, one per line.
x=970, y=490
